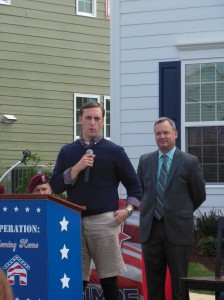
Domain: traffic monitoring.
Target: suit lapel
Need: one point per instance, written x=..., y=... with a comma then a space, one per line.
x=173, y=167
x=154, y=164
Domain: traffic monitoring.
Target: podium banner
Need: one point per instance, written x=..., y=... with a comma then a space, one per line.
x=40, y=246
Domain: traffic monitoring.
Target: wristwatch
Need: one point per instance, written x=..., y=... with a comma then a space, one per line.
x=130, y=210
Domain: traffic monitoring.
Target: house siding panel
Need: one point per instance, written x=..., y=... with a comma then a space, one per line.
x=144, y=33
x=47, y=54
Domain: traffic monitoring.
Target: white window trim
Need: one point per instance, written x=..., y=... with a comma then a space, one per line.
x=185, y=124
x=74, y=112
x=93, y=15
x=6, y=2
x=193, y=124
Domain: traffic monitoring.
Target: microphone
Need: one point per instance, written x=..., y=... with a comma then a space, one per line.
x=87, y=171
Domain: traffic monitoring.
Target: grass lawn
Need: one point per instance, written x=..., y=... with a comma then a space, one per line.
x=199, y=270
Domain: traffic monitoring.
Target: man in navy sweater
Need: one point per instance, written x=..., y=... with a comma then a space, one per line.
x=90, y=170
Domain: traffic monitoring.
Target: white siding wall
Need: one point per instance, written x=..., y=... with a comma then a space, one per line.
x=144, y=33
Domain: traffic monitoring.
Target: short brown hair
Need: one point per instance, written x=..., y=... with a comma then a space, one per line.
x=91, y=104
x=163, y=119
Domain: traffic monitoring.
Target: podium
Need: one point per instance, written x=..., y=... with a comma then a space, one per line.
x=40, y=247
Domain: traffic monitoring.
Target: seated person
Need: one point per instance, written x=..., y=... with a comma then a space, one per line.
x=39, y=184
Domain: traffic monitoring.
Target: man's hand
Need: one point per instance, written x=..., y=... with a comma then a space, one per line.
x=121, y=215
x=86, y=161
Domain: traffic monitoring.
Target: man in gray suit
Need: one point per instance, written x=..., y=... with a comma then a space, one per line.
x=167, y=206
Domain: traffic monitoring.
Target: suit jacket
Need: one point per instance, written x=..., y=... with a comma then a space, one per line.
x=184, y=193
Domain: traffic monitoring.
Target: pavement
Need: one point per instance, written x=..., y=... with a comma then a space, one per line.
x=194, y=296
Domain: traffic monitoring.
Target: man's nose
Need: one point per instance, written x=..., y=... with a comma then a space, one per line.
x=92, y=121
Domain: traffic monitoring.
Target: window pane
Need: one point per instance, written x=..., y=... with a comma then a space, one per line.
x=79, y=103
x=204, y=85
x=194, y=136
x=78, y=129
x=220, y=111
x=192, y=73
x=192, y=112
x=107, y=118
x=209, y=135
x=210, y=173
x=107, y=130
x=221, y=155
x=196, y=151
x=221, y=136
x=208, y=72
x=220, y=91
x=221, y=173
x=208, y=92
x=207, y=143
x=220, y=71
x=210, y=154
x=208, y=112
x=192, y=93
x=85, y=6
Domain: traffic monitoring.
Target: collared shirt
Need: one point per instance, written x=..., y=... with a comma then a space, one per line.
x=92, y=142
x=169, y=155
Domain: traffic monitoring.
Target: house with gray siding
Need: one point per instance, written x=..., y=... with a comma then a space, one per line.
x=167, y=59
x=54, y=56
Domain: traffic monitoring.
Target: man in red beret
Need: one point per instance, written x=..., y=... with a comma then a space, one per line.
x=39, y=184
x=2, y=189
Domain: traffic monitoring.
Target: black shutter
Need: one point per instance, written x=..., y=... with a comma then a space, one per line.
x=170, y=93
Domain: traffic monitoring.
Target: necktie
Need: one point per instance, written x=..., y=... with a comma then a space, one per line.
x=159, y=208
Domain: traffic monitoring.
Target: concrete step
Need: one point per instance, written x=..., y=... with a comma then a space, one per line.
x=194, y=296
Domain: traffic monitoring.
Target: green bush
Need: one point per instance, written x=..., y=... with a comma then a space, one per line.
x=206, y=227
x=208, y=246
x=206, y=224
x=32, y=163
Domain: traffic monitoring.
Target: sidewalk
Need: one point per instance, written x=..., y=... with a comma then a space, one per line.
x=194, y=296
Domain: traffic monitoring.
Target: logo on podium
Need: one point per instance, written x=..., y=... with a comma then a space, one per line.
x=16, y=267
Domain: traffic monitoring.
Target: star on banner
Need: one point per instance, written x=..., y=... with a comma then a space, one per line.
x=123, y=236
x=5, y=208
x=38, y=210
x=27, y=209
x=64, y=252
x=16, y=209
x=64, y=224
x=65, y=281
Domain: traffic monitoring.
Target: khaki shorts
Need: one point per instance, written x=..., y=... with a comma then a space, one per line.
x=100, y=243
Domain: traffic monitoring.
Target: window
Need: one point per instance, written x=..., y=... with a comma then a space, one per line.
x=107, y=117
x=79, y=100
x=86, y=8
x=204, y=117
x=7, y=2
